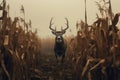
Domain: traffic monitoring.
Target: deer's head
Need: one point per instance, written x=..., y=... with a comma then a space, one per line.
x=59, y=34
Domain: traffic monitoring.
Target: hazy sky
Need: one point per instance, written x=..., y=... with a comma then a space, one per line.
x=40, y=12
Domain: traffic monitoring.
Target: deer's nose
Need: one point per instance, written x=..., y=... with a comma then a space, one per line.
x=59, y=38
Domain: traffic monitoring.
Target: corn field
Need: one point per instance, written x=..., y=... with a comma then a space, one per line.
x=93, y=54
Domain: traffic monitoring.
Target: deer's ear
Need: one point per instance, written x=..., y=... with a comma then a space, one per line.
x=63, y=32
x=53, y=32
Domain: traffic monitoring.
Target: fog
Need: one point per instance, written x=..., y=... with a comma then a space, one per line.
x=40, y=12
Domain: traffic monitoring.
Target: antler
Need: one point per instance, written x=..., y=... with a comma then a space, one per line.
x=66, y=24
x=51, y=25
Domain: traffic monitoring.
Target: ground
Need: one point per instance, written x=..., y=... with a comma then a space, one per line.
x=51, y=70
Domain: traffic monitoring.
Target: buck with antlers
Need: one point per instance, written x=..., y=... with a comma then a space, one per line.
x=60, y=45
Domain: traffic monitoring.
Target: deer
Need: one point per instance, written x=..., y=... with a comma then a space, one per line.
x=60, y=44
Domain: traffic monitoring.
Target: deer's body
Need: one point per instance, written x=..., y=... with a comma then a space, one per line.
x=60, y=48
x=60, y=45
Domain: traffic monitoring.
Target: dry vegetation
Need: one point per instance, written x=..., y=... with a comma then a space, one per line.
x=93, y=54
